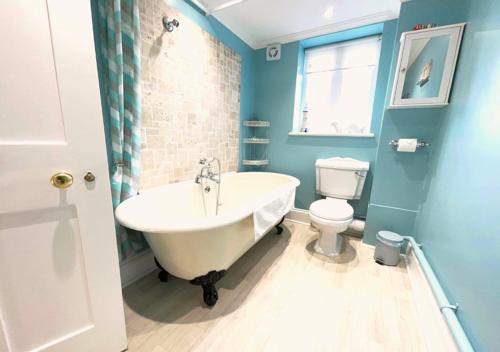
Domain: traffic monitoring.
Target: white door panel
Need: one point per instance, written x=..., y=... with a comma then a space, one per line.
x=29, y=83
x=59, y=275
x=45, y=292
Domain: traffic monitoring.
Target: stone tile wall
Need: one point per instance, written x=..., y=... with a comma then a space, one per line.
x=190, y=98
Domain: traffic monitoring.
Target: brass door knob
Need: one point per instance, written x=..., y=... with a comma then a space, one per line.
x=89, y=177
x=61, y=180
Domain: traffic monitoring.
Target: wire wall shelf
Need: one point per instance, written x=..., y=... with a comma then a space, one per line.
x=256, y=140
x=256, y=123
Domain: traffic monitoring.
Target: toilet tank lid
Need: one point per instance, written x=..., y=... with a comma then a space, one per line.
x=343, y=164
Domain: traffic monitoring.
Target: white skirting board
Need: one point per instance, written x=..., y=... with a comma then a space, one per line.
x=432, y=326
x=136, y=267
x=298, y=215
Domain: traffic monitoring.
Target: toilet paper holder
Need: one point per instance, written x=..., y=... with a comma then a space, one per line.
x=420, y=144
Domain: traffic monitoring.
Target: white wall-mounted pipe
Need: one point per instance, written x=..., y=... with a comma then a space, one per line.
x=357, y=226
x=447, y=309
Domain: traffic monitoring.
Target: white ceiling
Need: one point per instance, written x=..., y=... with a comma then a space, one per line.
x=263, y=22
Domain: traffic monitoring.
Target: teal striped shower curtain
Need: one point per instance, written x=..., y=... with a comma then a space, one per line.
x=119, y=51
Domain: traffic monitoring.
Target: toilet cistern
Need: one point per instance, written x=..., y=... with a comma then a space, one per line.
x=339, y=179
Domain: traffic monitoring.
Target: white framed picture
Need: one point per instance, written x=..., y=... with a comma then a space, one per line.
x=273, y=52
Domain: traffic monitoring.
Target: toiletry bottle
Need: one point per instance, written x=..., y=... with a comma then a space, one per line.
x=305, y=115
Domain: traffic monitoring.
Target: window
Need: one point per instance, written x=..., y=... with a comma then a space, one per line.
x=339, y=86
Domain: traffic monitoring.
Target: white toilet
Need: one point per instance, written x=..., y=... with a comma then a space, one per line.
x=339, y=179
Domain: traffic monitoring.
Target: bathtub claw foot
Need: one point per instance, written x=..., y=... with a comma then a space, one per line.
x=163, y=274
x=279, y=228
x=210, y=295
x=207, y=283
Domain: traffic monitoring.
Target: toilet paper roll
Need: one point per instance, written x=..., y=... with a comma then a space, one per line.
x=407, y=145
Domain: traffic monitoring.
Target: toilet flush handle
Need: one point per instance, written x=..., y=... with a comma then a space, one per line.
x=359, y=174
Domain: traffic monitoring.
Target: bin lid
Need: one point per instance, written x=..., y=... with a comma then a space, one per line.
x=390, y=237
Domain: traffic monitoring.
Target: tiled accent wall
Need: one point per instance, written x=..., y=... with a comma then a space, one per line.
x=191, y=98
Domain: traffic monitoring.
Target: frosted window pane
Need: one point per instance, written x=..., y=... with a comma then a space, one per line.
x=340, y=100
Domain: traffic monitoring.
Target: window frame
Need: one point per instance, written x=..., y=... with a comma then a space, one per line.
x=302, y=82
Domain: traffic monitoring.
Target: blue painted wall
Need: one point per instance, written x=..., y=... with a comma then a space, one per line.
x=448, y=196
x=275, y=84
x=435, y=50
x=459, y=223
x=401, y=179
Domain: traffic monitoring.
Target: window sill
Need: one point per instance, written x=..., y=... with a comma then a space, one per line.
x=312, y=134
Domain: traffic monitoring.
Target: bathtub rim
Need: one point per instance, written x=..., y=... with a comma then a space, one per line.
x=202, y=224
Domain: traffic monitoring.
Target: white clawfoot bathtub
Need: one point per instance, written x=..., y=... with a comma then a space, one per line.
x=189, y=244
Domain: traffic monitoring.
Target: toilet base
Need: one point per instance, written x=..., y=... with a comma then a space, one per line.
x=329, y=244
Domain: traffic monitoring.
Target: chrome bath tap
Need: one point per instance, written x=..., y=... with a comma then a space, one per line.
x=207, y=173
x=207, y=170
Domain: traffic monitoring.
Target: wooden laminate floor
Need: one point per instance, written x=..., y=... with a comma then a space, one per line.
x=280, y=296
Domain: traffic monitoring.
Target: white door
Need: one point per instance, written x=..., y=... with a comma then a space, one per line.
x=59, y=274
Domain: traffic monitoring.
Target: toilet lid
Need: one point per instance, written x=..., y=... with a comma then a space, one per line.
x=331, y=209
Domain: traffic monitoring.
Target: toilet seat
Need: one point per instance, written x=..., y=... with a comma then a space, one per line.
x=330, y=225
x=331, y=209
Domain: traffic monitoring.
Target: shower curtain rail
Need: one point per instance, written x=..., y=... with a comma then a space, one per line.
x=447, y=309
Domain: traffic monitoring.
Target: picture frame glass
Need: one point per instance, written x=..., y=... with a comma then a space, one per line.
x=425, y=67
